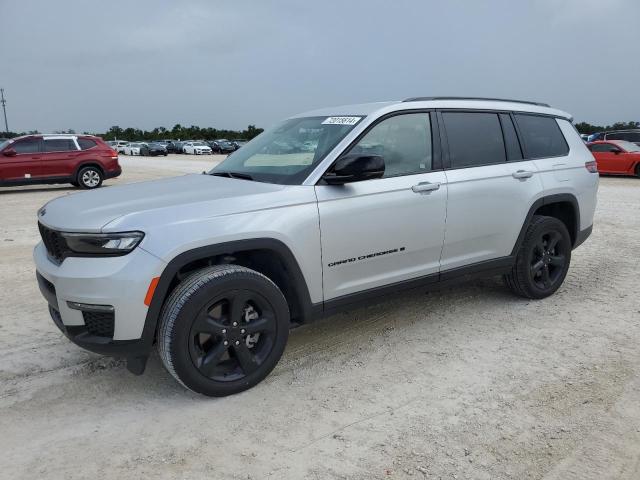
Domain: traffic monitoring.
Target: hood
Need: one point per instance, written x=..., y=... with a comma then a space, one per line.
x=134, y=205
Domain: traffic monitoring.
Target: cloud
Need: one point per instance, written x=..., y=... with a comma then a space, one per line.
x=147, y=63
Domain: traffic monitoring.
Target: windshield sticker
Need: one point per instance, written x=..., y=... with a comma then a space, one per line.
x=341, y=121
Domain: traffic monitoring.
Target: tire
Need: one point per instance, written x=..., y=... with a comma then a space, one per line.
x=198, y=318
x=90, y=177
x=638, y=170
x=543, y=259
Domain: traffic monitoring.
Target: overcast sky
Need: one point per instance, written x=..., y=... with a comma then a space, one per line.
x=89, y=65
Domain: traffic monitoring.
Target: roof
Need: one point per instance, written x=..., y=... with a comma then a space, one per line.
x=365, y=109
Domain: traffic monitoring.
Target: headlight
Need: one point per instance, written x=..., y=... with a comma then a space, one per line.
x=103, y=243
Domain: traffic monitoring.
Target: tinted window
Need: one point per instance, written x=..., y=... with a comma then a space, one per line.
x=603, y=147
x=629, y=136
x=29, y=145
x=542, y=136
x=514, y=152
x=474, y=139
x=404, y=141
x=59, y=145
x=86, y=143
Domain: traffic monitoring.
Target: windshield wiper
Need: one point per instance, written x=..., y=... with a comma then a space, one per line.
x=242, y=176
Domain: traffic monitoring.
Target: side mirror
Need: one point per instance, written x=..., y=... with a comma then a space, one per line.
x=355, y=167
x=9, y=152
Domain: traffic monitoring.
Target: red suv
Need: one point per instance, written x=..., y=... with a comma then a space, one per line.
x=82, y=160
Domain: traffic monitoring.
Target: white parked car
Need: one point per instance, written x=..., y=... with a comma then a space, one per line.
x=196, y=148
x=118, y=145
x=132, y=148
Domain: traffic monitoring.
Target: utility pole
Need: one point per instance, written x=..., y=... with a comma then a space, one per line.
x=4, y=109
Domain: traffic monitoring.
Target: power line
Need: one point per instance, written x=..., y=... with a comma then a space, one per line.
x=4, y=109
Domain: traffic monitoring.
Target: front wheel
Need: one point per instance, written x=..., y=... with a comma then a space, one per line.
x=638, y=170
x=90, y=177
x=223, y=329
x=543, y=259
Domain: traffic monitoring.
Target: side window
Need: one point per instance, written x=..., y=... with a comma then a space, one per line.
x=86, y=143
x=603, y=147
x=404, y=141
x=59, y=145
x=474, y=138
x=542, y=136
x=28, y=145
x=514, y=152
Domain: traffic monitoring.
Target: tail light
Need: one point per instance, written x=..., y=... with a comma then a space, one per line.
x=592, y=166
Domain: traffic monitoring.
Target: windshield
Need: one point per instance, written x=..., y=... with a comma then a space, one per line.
x=4, y=144
x=287, y=153
x=200, y=144
x=628, y=146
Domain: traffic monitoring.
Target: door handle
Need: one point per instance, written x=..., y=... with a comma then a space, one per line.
x=425, y=187
x=520, y=174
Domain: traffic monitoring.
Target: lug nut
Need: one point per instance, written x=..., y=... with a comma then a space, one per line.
x=237, y=342
x=242, y=331
x=224, y=330
x=235, y=324
x=225, y=343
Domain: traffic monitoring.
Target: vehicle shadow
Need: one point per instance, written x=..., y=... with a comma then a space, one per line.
x=332, y=335
x=39, y=189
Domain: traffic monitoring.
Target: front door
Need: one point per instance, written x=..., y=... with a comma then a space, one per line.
x=25, y=164
x=384, y=231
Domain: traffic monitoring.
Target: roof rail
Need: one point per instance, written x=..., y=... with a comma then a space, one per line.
x=423, y=99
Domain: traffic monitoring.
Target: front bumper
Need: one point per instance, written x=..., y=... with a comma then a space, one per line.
x=118, y=282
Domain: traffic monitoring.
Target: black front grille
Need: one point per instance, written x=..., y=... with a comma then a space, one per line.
x=55, y=243
x=99, y=324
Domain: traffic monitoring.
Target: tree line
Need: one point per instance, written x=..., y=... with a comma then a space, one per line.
x=178, y=132
x=587, y=128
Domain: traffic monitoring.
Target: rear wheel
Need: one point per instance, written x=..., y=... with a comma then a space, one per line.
x=223, y=330
x=638, y=170
x=90, y=177
x=543, y=259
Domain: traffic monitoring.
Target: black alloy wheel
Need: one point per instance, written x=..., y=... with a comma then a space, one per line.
x=548, y=260
x=232, y=335
x=223, y=329
x=543, y=259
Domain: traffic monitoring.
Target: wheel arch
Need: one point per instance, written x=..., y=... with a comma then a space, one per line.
x=563, y=206
x=88, y=163
x=268, y=256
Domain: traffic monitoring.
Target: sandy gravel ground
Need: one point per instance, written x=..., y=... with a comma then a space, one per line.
x=468, y=382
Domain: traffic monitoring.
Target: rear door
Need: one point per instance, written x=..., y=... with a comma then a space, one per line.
x=388, y=230
x=23, y=166
x=491, y=187
x=59, y=157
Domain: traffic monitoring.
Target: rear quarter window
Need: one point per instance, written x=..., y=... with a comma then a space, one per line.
x=86, y=143
x=541, y=136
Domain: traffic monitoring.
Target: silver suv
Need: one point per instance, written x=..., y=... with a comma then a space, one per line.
x=327, y=209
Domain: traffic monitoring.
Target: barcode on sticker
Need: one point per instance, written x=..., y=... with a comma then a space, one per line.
x=341, y=120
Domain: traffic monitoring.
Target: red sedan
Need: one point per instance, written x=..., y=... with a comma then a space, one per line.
x=617, y=157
